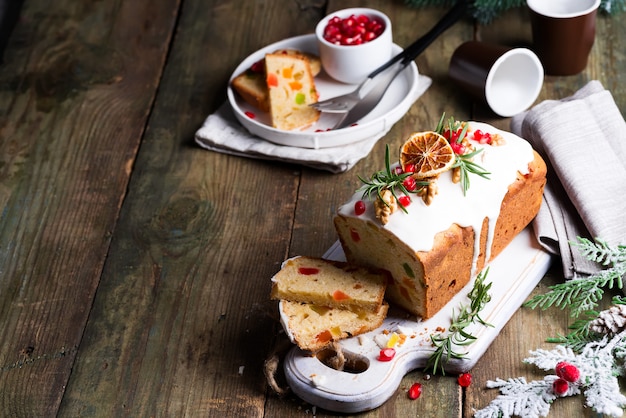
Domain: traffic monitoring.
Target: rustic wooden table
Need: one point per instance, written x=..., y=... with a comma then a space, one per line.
x=135, y=266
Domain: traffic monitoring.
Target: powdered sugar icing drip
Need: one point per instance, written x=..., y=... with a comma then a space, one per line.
x=419, y=225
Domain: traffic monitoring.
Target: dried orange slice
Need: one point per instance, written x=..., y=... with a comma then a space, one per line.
x=428, y=152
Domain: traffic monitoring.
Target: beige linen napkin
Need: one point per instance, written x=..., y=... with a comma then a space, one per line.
x=221, y=132
x=583, y=141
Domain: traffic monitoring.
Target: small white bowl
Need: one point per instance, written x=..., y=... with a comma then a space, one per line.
x=352, y=64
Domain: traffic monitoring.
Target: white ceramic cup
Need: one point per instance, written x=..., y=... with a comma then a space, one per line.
x=508, y=79
x=563, y=33
x=352, y=64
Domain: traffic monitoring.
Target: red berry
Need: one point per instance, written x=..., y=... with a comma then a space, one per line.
x=404, y=200
x=482, y=137
x=415, y=391
x=359, y=207
x=465, y=379
x=458, y=148
x=386, y=354
x=567, y=371
x=409, y=168
x=560, y=387
x=409, y=184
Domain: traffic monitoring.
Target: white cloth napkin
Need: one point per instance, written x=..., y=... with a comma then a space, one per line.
x=582, y=138
x=222, y=132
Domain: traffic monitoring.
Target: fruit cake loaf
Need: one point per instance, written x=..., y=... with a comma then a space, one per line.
x=314, y=327
x=291, y=91
x=433, y=250
x=329, y=283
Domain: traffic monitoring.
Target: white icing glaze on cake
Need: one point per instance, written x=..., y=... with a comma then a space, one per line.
x=418, y=227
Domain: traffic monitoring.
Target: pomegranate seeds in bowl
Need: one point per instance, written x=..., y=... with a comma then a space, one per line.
x=353, y=43
x=353, y=30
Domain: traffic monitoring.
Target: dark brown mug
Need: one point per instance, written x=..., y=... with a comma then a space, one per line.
x=507, y=79
x=563, y=33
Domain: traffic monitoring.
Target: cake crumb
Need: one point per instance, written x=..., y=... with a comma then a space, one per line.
x=317, y=380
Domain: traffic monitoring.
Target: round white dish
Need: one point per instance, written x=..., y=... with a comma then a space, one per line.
x=394, y=104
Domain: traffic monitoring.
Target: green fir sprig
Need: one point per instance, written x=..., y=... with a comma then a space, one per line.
x=457, y=332
x=582, y=294
x=581, y=333
x=388, y=179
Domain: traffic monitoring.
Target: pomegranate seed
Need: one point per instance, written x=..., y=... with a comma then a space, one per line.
x=398, y=170
x=415, y=391
x=560, y=387
x=362, y=19
x=482, y=137
x=409, y=168
x=459, y=149
x=567, y=371
x=359, y=207
x=409, y=184
x=404, y=200
x=386, y=354
x=250, y=115
x=465, y=379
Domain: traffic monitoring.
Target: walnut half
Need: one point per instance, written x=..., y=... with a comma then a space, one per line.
x=385, y=207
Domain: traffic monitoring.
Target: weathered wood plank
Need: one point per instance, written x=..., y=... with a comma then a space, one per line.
x=183, y=321
x=76, y=87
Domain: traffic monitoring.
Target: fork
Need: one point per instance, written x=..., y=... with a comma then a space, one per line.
x=364, y=98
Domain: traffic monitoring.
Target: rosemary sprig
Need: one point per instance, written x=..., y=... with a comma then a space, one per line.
x=457, y=335
x=467, y=166
x=463, y=161
x=582, y=294
x=388, y=179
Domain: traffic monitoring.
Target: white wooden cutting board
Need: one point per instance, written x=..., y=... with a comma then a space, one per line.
x=513, y=274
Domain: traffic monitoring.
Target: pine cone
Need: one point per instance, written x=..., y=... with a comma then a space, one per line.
x=611, y=321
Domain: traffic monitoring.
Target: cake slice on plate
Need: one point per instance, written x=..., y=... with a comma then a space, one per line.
x=251, y=84
x=291, y=90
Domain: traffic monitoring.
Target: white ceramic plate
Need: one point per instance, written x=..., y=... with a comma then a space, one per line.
x=394, y=104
